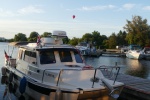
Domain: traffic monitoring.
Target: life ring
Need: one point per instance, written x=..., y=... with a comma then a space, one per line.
x=11, y=75
x=3, y=70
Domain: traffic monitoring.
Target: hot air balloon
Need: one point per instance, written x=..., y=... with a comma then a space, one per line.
x=73, y=16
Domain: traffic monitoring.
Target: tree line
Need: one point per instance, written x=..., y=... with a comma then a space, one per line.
x=136, y=31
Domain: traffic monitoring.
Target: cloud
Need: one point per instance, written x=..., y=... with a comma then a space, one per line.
x=128, y=6
x=94, y=8
x=22, y=11
x=30, y=10
x=5, y=13
x=146, y=8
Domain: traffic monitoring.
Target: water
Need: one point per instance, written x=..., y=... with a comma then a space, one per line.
x=139, y=68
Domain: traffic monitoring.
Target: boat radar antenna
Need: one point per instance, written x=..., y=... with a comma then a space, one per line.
x=58, y=36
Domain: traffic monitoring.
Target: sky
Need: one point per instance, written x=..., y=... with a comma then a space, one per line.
x=104, y=16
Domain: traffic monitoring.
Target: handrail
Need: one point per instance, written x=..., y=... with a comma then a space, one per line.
x=59, y=76
x=113, y=67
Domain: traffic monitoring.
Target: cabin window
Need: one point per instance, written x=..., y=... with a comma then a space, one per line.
x=65, y=56
x=30, y=57
x=47, y=57
x=78, y=57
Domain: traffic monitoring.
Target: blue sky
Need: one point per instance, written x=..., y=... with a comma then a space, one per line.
x=104, y=16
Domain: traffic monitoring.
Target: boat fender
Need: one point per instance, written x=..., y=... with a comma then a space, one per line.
x=3, y=70
x=22, y=86
x=11, y=75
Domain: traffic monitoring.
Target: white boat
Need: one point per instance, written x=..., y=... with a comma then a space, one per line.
x=134, y=52
x=55, y=71
x=146, y=53
x=84, y=48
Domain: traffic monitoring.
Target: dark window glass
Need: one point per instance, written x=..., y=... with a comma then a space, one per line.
x=65, y=56
x=47, y=57
x=33, y=54
x=30, y=57
x=78, y=57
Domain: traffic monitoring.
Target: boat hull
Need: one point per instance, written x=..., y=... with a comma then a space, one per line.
x=38, y=91
x=133, y=55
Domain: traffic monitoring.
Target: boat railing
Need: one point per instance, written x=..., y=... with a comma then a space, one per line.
x=110, y=72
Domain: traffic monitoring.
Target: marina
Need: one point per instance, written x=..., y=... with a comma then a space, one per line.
x=129, y=68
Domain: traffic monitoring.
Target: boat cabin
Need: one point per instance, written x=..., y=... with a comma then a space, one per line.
x=51, y=51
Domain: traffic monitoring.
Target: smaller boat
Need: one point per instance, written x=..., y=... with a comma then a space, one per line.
x=87, y=49
x=134, y=52
x=84, y=48
x=146, y=53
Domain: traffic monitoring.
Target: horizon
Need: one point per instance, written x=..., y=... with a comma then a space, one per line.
x=106, y=17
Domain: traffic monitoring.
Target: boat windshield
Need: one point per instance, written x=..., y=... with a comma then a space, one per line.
x=65, y=56
x=135, y=48
x=47, y=57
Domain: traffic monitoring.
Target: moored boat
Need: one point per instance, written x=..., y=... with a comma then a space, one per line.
x=146, y=53
x=51, y=70
x=134, y=52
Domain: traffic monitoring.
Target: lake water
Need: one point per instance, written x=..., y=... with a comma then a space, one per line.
x=139, y=68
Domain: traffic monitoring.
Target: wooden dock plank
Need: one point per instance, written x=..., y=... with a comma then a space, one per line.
x=135, y=88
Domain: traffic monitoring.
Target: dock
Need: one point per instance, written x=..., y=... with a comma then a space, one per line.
x=113, y=53
x=135, y=88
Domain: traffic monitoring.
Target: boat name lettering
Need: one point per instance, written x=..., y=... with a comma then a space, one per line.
x=50, y=75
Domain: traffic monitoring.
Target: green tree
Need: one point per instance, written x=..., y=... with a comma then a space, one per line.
x=66, y=40
x=121, y=38
x=10, y=40
x=138, y=31
x=20, y=37
x=74, y=41
x=33, y=36
x=104, y=43
x=87, y=37
x=112, y=41
x=46, y=34
x=96, y=38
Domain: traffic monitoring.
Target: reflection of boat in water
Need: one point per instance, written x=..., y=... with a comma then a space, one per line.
x=54, y=71
x=10, y=90
x=135, y=68
x=134, y=52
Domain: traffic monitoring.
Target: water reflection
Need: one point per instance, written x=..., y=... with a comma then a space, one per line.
x=137, y=68
x=10, y=90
